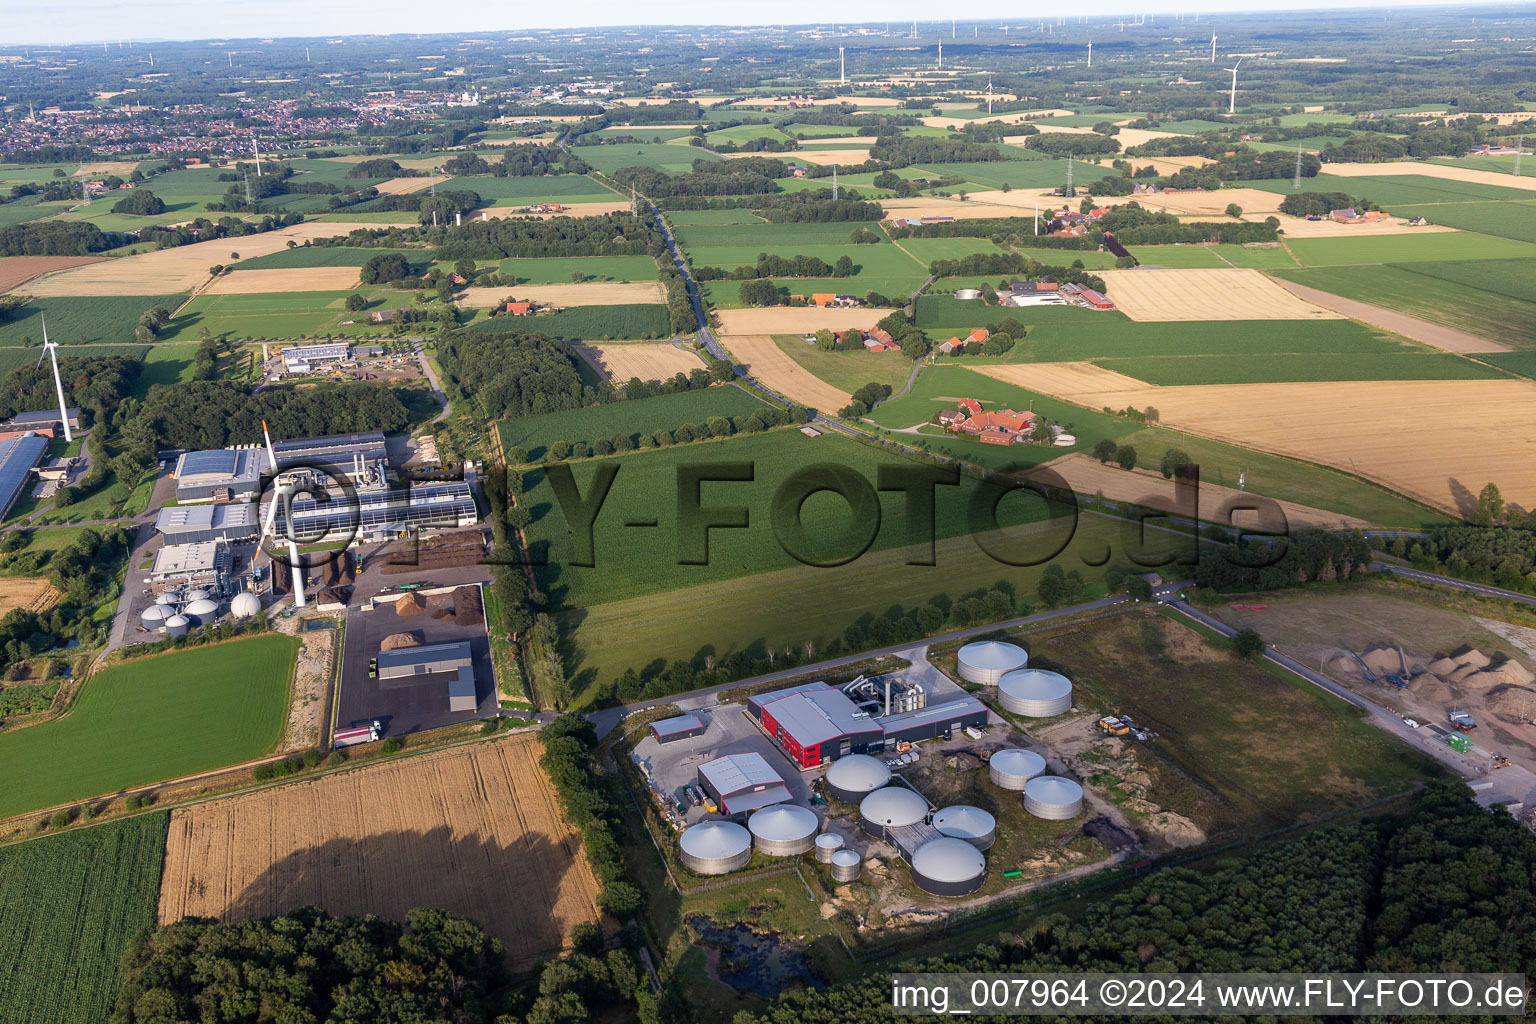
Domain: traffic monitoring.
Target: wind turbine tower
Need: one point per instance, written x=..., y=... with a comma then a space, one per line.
x=51, y=348
x=1213, y=47
x=1232, y=96
x=256, y=148
x=1090, y=55
x=282, y=492
x=941, y=56
x=1296, y=182
x=989, y=102
x=1519, y=149
x=842, y=67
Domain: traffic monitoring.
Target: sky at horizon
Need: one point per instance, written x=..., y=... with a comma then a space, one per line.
x=92, y=21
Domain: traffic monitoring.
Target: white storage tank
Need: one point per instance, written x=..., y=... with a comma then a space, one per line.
x=987, y=661
x=177, y=625
x=245, y=605
x=1035, y=693
x=198, y=595
x=891, y=807
x=166, y=598
x=948, y=867
x=972, y=824
x=1013, y=768
x=783, y=830
x=846, y=866
x=202, y=611
x=1053, y=797
x=827, y=844
x=154, y=616
x=715, y=847
x=967, y=293
x=852, y=778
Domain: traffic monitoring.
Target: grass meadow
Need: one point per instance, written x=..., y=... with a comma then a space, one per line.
x=82, y=320
x=666, y=157
x=523, y=190
x=1393, y=190
x=1372, y=249
x=847, y=371
x=153, y=718
x=632, y=322
x=1506, y=220
x=562, y=270
x=329, y=256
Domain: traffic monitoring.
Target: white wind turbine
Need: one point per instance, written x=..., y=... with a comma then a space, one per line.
x=280, y=492
x=1213, y=47
x=1232, y=96
x=50, y=349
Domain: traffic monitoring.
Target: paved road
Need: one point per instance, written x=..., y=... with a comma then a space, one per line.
x=1452, y=582
x=437, y=385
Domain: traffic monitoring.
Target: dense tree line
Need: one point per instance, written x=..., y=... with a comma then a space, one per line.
x=1318, y=204
x=381, y=167
x=820, y=211
x=523, y=161
x=1017, y=265
x=611, y=234
x=591, y=800
x=141, y=202
x=1503, y=556
x=772, y=265
x=1448, y=887
x=201, y=229
x=514, y=373
x=710, y=178
x=96, y=385
x=1245, y=165
x=893, y=150
x=1420, y=143
x=1059, y=145
x=1306, y=555
x=85, y=572
x=56, y=238
x=765, y=418
x=215, y=414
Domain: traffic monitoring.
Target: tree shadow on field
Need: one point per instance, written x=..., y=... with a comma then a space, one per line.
x=510, y=891
x=1465, y=500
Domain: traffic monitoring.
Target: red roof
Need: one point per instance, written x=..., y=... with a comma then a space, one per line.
x=980, y=334
x=519, y=308
x=969, y=404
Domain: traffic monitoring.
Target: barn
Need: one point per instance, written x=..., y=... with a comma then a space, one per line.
x=670, y=730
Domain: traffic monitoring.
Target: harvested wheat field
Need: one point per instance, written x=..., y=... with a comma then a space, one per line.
x=1087, y=475
x=1078, y=381
x=592, y=293
x=1438, y=441
x=1016, y=117
x=1161, y=295
x=473, y=830
x=17, y=270
x=1451, y=173
x=646, y=360
x=825, y=157
x=287, y=279
x=32, y=594
x=410, y=163
x=977, y=205
x=106, y=168
x=773, y=367
x=1300, y=227
x=1252, y=200
x=164, y=271
x=405, y=186
x=795, y=319
x=571, y=210
x=1448, y=339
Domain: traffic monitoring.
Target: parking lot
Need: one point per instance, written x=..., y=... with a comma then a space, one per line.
x=408, y=705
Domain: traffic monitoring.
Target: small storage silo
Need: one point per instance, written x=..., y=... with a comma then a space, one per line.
x=202, y=611
x=846, y=866
x=177, y=625
x=154, y=616
x=1012, y=768
x=783, y=830
x=852, y=778
x=891, y=807
x=972, y=824
x=1035, y=693
x=245, y=605
x=987, y=661
x=715, y=847
x=948, y=867
x=1053, y=797
x=827, y=844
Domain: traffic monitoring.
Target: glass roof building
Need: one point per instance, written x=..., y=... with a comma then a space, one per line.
x=378, y=515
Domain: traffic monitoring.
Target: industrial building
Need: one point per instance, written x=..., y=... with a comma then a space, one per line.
x=222, y=474
x=742, y=782
x=204, y=565
x=192, y=524
x=379, y=515
x=670, y=730
x=339, y=454
x=421, y=661
x=815, y=723
x=308, y=358
x=46, y=419
x=18, y=457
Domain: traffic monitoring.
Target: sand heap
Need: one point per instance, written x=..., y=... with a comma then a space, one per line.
x=1474, y=669
x=1516, y=703
x=409, y=605
x=468, y=610
x=398, y=641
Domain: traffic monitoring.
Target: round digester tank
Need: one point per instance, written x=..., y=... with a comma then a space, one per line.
x=846, y=866
x=1013, y=768
x=154, y=616
x=948, y=867
x=177, y=625
x=852, y=778
x=891, y=807
x=987, y=661
x=827, y=844
x=245, y=605
x=1035, y=693
x=783, y=830
x=962, y=821
x=1053, y=797
x=201, y=611
x=715, y=847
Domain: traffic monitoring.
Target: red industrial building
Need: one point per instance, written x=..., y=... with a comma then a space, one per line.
x=815, y=723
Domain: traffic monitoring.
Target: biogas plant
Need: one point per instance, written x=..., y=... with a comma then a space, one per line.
x=902, y=785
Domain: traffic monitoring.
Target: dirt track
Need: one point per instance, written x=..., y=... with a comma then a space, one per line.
x=764, y=360
x=648, y=361
x=595, y=293
x=474, y=830
x=1182, y=295
x=1447, y=338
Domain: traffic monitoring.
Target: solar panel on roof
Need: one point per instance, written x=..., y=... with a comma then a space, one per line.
x=17, y=457
x=220, y=461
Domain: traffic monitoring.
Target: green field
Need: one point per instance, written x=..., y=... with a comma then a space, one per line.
x=155, y=718
x=700, y=218
x=1507, y=220
x=1393, y=190
x=779, y=239
x=848, y=371
x=742, y=134
x=590, y=323
x=926, y=250
x=945, y=314
x=558, y=270
x=521, y=191
x=328, y=256
x=1368, y=249
x=1024, y=169
x=86, y=320
x=28, y=208
x=1515, y=279
x=274, y=315
x=882, y=268
x=634, y=561
x=1281, y=366
x=70, y=904
x=1457, y=304
x=1523, y=363
x=672, y=159
x=10, y=358
x=165, y=364
x=534, y=434
x=1179, y=257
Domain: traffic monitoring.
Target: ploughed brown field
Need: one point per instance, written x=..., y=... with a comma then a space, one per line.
x=474, y=830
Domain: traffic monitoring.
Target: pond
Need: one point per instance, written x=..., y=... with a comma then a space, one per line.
x=763, y=965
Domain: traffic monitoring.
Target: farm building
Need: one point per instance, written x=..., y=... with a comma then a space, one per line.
x=308, y=358
x=742, y=782
x=520, y=308
x=380, y=514
x=18, y=456
x=816, y=723
x=190, y=524
x=421, y=661
x=382, y=316
x=222, y=474
x=1001, y=426
x=670, y=730
x=203, y=565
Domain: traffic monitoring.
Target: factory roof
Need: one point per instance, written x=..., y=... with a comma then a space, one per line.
x=187, y=518
x=462, y=684
x=815, y=716
x=219, y=465
x=174, y=559
x=430, y=655
x=736, y=773
x=682, y=723
x=951, y=709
